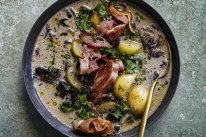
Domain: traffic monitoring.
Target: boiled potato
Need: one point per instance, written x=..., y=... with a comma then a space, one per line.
x=77, y=48
x=72, y=78
x=122, y=84
x=105, y=106
x=137, y=99
x=129, y=47
x=95, y=18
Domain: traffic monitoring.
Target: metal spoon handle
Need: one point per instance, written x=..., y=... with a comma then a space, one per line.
x=146, y=112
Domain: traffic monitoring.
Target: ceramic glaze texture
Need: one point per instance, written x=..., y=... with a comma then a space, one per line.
x=186, y=114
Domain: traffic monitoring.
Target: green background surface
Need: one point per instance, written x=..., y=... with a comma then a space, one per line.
x=185, y=116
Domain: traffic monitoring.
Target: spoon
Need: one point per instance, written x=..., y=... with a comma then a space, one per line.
x=149, y=99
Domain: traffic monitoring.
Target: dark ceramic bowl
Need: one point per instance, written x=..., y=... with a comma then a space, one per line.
x=29, y=82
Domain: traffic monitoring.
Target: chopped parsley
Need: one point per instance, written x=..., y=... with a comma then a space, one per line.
x=139, y=16
x=66, y=106
x=121, y=110
x=95, y=38
x=53, y=60
x=130, y=64
x=109, y=50
x=140, y=79
x=79, y=127
x=81, y=105
x=82, y=20
x=115, y=4
x=130, y=35
x=79, y=40
x=67, y=56
x=103, y=11
x=49, y=46
x=68, y=88
x=50, y=68
x=120, y=88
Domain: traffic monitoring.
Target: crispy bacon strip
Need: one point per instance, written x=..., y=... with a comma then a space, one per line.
x=106, y=76
x=124, y=17
x=94, y=44
x=115, y=32
x=97, y=96
x=94, y=126
x=104, y=26
x=121, y=66
x=88, y=62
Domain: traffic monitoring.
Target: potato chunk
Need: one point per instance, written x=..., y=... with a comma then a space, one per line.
x=77, y=48
x=129, y=47
x=137, y=99
x=122, y=84
x=105, y=106
x=72, y=78
x=95, y=18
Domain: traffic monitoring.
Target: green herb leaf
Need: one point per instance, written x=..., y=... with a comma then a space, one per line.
x=66, y=106
x=121, y=110
x=102, y=11
x=56, y=70
x=130, y=35
x=79, y=40
x=121, y=124
x=79, y=127
x=53, y=60
x=109, y=50
x=120, y=88
x=95, y=38
x=67, y=56
x=50, y=68
x=49, y=46
x=140, y=79
x=68, y=88
x=117, y=114
x=82, y=20
x=140, y=17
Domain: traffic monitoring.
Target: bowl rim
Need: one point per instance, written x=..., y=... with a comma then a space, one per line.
x=28, y=78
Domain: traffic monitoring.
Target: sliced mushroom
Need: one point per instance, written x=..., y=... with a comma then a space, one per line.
x=151, y=37
x=47, y=75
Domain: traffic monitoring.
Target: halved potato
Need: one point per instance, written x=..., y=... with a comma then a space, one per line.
x=77, y=48
x=72, y=78
x=129, y=47
x=95, y=18
x=122, y=84
x=105, y=106
x=137, y=99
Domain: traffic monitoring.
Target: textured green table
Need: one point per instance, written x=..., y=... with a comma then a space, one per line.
x=185, y=116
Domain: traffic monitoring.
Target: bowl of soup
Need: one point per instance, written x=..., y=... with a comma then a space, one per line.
x=88, y=66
